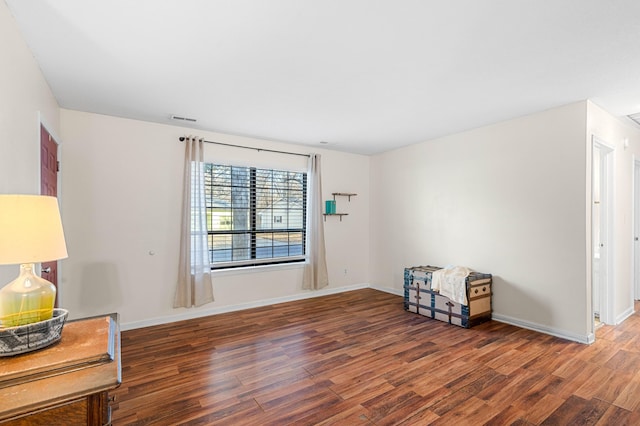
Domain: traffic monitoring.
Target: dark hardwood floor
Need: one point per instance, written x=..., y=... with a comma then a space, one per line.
x=359, y=358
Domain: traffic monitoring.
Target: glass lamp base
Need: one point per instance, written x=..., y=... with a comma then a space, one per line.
x=27, y=299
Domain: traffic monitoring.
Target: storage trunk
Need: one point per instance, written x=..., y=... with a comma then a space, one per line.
x=419, y=298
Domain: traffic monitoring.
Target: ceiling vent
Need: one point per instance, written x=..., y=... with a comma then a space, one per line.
x=178, y=118
x=635, y=117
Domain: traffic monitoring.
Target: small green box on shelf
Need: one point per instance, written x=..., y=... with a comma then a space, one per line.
x=330, y=207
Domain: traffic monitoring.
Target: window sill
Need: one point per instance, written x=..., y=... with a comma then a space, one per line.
x=256, y=269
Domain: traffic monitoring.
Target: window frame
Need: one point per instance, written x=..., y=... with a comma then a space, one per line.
x=253, y=229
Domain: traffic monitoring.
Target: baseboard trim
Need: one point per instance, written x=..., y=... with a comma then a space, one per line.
x=239, y=307
x=626, y=314
x=396, y=291
x=586, y=339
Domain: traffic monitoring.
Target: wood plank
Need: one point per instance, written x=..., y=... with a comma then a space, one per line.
x=565, y=413
x=629, y=398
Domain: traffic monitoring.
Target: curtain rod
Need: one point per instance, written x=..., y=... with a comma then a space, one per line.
x=182, y=138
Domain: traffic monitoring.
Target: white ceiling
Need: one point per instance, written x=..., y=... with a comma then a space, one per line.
x=365, y=76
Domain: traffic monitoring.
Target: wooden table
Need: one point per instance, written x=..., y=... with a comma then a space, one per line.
x=66, y=383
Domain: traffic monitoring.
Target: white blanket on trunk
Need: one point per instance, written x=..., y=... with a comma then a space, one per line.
x=451, y=282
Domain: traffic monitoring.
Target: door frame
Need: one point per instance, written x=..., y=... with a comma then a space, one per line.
x=635, y=246
x=607, y=227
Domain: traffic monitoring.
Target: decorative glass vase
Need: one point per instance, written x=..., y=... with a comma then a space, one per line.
x=27, y=299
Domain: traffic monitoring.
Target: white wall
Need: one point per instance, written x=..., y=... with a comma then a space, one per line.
x=122, y=180
x=24, y=97
x=613, y=132
x=507, y=199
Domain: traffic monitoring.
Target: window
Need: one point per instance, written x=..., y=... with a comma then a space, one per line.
x=254, y=216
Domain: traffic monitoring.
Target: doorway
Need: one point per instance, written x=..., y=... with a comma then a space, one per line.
x=636, y=229
x=602, y=232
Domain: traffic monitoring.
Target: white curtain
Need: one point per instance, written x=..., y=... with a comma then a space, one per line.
x=315, y=269
x=194, y=271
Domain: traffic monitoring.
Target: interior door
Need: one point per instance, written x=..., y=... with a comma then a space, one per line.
x=49, y=186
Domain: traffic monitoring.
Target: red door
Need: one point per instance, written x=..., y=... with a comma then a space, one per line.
x=49, y=186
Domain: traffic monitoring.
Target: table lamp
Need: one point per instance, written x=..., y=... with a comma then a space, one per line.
x=30, y=232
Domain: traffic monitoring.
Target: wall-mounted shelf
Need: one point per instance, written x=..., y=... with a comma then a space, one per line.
x=339, y=194
x=343, y=194
x=334, y=214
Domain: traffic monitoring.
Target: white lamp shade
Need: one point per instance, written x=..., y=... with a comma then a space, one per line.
x=30, y=229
